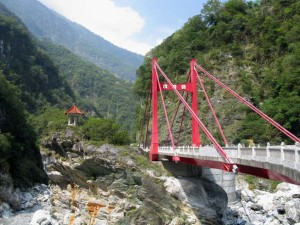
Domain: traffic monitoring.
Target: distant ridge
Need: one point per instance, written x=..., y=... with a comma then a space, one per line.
x=47, y=24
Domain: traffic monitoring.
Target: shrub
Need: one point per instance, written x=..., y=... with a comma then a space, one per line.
x=106, y=130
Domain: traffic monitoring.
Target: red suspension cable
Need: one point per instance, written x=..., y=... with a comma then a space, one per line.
x=244, y=101
x=181, y=122
x=179, y=102
x=209, y=135
x=165, y=111
x=148, y=116
x=212, y=110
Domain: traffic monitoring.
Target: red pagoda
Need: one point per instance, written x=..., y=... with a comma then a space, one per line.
x=73, y=115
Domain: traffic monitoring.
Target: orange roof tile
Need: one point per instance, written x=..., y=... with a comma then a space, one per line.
x=74, y=110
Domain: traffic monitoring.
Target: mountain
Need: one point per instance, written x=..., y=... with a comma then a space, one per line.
x=97, y=91
x=254, y=48
x=28, y=67
x=38, y=80
x=28, y=82
x=46, y=24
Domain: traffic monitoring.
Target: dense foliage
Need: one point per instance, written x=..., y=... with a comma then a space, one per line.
x=97, y=91
x=20, y=156
x=29, y=68
x=44, y=23
x=34, y=94
x=106, y=131
x=254, y=47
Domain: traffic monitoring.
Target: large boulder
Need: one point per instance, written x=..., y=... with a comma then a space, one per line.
x=292, y=209
x=41, y=217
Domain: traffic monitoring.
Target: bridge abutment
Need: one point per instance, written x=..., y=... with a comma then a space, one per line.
x=224, y=179
x=182, y=169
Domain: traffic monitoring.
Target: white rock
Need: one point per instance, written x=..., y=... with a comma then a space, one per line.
x=173, y=186
x=191, y=220
x=27, y=197
x=112, y=199
x=5, y=210
x=266, y=201
x=292, y=211
x=286, y=189
x=55, y=176
x=114, y=217
x=40, y=216
x=100, y=222
x=272, y=221
x=66, y=219
x=176, y=221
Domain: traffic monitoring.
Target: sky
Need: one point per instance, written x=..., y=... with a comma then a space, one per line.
x=136, y=25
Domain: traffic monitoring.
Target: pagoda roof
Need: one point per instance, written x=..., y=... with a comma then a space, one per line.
x=74, y=110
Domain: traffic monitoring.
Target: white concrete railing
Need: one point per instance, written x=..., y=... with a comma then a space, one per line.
x=286, y=155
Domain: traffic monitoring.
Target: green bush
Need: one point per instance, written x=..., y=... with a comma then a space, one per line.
x=51, y=119
x=106, y=130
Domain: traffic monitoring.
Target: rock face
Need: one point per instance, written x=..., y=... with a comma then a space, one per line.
x=26, y=202
x=109, y=185
x=264, y=208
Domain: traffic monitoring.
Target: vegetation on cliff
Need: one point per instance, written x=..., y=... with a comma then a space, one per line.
x=29, y=68
x=253, y=47
x=98, y=91
x=105, y=131
x=20, y=156
x=29, y=82
x=34, y=93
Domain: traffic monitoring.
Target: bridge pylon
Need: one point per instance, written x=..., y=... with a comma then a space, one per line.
x=153, y=154
x=157, y=86
x=195, y=127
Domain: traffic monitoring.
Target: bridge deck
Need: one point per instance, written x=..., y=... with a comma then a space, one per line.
x=275, y=162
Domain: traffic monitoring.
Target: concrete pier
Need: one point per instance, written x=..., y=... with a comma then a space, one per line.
x=224, y=179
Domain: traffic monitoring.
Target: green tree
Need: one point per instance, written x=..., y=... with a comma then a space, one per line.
x=18, y=149
x=105, y=130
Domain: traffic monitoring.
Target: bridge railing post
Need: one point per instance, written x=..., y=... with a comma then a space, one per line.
x=239, y=150
x=282, y=147
x=297, y=153
x=268, y=151
x=253, y=152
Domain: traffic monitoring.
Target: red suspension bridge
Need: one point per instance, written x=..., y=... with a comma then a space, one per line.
x=273, y=162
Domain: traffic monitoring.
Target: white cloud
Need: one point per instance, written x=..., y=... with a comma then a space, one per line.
x=115, y=24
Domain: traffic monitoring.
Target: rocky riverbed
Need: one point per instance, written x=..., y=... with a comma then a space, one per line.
x=254, y=207
x=22, y=205
x=105, y=185
x=259, y=207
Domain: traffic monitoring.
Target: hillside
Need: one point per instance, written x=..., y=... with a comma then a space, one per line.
x=35, y=91
x=97, y=91
x=28, y=81
x=254, y=48
x=46, y=24
x=63, y=74
x=28, y=67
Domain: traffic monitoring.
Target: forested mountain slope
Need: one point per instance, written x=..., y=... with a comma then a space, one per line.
x=28, y=67
x=97, y=91
x=34, y=90
x=28, y=82
x=254, y=48
x=46, y=24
